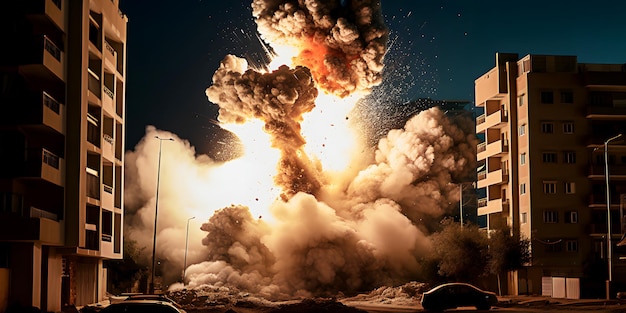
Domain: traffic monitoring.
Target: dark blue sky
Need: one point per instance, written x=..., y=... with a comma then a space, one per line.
x=437, y=49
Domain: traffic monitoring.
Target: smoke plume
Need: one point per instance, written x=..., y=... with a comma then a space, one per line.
x=278, y=99
x=346, y=232
x=343, y=43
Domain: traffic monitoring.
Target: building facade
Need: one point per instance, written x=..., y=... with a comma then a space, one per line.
x=542, y=168
x=62, y=87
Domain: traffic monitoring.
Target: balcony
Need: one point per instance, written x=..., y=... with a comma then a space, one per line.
x=489, y=87
x=606, y=112
x=616, y=171
x=35, y=109
x=498, y=119
x=33, y=225
x=51, y=10
x=496, y=148
x=486, y=206
x=496, y=177
x=110, y=56
x=41, y=163
x=43, y=59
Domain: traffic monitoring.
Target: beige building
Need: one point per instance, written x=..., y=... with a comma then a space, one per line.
x=62, y=86
x=542, y=168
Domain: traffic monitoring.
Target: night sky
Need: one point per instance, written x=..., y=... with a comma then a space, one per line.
x=437, y=49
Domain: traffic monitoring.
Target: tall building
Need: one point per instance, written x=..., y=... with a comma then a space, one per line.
x=62, y=86
x=542, y=168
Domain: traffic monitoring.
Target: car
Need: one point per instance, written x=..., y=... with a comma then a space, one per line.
x=454, y=295
x=141, y=306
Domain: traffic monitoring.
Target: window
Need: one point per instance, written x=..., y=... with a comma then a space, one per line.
x=550, y=216
x=547, y=127
x=571, y=245
x=549, y=157
x=520, y=100
x=547, y=97
x=569, y=157
x=549, y=187
x=567, y=96
x=524, y=218
x=571, y=217
x=568, y=127
x=522, y=130
x=570, y=187
x=553, y=245
x=522, y=158
x=522, y=189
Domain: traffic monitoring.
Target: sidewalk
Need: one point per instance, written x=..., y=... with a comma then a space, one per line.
x=527, y=301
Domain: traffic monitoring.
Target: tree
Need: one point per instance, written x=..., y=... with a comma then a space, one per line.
x=507, y=252
x=127, y=275
x=461, y=251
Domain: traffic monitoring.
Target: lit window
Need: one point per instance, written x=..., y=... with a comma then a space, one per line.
x=522, y=158
x=524, y=218
x=522, y=130
x=550, y=216
x=569, y=157
x=549, y=157
x=547, y=96
x=568, y=127
x=520, y=100
x=570, y=187
x=549, y=187
x=547, y=127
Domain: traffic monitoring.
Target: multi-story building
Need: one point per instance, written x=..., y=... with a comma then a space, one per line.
x=62, y=86
x=546, y=122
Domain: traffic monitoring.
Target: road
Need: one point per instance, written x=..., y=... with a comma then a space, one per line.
x=596, y=306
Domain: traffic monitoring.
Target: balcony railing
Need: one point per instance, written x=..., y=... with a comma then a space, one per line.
x=50, y=158
x=108, y=138
x=480, y=119
x=482, y=202
x=108, y=189
x=106, y=237
x=52, y=48
x=109, y=48
x=51, y=103
x=482, y=175
x=35, y=212
x=481, y=147
x=109, y=92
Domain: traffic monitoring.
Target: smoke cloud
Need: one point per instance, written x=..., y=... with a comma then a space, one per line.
x=309, y=232
x=278, y=99
x=343, y=43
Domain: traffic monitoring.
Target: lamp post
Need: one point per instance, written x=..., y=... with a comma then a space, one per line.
x=186, y=242
x=609, y=248
x=156, y=210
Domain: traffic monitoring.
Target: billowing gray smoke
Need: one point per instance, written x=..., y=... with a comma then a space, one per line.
x=342, y=42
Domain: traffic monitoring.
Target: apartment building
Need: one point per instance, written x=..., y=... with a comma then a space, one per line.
x=542, y=168
x=62, y=86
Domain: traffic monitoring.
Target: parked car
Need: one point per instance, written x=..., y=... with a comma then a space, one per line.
x=141, y=306
x=454, y=295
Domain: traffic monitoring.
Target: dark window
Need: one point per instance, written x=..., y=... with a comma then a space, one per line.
x=567, y=96
x=547, y=96
x=549, y=157
x=550, y=216
x=569, y=157
x=571, y=217
x=547, y=127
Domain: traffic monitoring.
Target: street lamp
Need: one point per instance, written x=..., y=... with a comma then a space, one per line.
x=609, y=248
x=156, y=210
x=186, y=242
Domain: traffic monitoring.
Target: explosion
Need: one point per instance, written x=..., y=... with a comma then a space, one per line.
x=321, y=228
